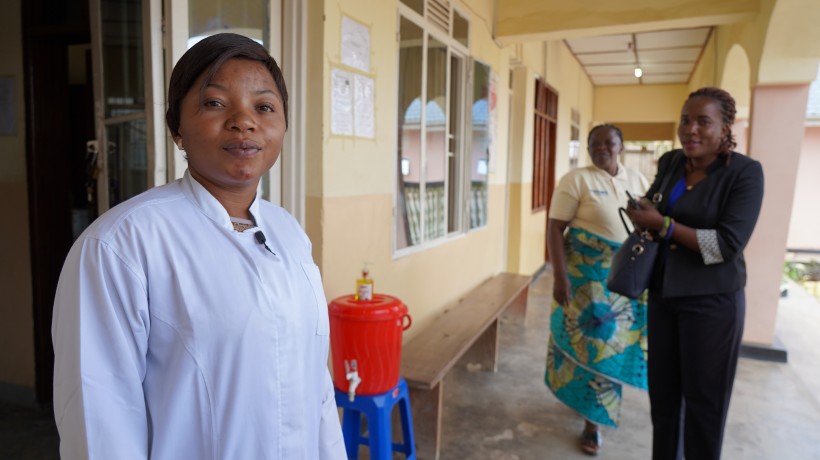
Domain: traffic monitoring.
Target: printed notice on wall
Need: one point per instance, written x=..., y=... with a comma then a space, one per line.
x=7, y=108
x=492, y=119
x=363, y=107
x=341, y=103
x=355, y=44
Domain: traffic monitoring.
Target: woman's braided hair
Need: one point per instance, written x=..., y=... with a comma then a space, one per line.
x=727, y=109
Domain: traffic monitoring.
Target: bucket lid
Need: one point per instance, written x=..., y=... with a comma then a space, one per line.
x=382, y=307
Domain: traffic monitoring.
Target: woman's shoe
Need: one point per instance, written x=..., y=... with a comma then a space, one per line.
x=590, y=442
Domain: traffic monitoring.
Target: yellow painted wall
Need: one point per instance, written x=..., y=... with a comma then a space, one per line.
x=561, y=71
x=750, y=35
x=636, y=104
x=706, y=71
x=546, y=17
x=575, y=91
x=792, y=43
x=314, y=126
x=738, y=81
x=16, y=326
x=350, y=212
x=520, y=160
x=357, y=166
x=314, y=121
x=425, y=281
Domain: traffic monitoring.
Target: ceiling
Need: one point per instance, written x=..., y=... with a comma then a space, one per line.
x=667, y=56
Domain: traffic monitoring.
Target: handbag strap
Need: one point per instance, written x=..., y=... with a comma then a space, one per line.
x=666, y=178
x=621, y=212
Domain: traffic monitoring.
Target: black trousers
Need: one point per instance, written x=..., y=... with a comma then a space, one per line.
x=693, y=350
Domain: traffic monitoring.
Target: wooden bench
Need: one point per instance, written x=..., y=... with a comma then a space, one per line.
x=470, y=326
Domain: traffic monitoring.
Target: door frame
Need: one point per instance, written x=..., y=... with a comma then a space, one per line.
x=287, y=37
x=150, y=10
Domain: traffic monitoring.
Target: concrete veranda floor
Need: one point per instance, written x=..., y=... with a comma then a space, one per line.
x=510, y=415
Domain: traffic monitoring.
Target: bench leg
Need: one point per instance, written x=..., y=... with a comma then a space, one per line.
x=484, y=350
x=426, y=409
x=518, y=307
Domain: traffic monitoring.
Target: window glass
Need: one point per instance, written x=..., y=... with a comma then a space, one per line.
x=243, y=17
x=122, y=57
x=433, y=155
x=480, y=151
x=415, y=5
x=411, y=49
x=455, y=191
x=461, y=28
x=436, y=140
x=124, y=87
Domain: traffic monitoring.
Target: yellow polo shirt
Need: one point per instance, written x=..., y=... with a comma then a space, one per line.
x=588, y=198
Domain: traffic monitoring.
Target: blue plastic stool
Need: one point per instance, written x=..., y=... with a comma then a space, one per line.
x=377, y=409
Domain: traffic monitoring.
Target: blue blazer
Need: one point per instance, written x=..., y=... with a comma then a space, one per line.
x=728, y=201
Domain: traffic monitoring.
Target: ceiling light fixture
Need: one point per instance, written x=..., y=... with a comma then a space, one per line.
x=633, y=46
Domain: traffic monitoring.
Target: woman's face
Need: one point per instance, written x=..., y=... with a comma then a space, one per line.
x=701, y=127
x=232, y=131
x=604, y=147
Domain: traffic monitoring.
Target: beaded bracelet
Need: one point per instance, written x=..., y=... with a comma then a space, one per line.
x=671, y=229
x=665, y=229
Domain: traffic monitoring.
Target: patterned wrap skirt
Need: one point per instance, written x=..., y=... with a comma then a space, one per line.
x=597, y=342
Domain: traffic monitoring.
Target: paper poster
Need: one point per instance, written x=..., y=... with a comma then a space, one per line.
x=355, y=44
x=341, y=103
x=364, y=125
x=491, y=119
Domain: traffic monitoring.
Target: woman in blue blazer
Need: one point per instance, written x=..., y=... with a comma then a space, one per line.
x=703, y=218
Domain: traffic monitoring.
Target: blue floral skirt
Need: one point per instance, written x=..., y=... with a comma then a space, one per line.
x=597, y=342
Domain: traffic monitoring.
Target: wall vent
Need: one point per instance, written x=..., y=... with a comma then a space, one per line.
x=438, y=13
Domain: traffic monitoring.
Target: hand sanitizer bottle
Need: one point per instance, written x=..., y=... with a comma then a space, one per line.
x=364, y=286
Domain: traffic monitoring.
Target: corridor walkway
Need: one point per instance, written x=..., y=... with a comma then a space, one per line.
x=774, y=415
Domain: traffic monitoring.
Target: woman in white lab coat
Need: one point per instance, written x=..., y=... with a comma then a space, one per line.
x=190, y=321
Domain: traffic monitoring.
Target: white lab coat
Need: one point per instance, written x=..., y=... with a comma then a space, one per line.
x=176, y=337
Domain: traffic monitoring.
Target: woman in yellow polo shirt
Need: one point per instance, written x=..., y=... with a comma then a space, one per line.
x=598, y=337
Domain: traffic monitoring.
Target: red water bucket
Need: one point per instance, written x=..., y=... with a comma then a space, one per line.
x=365, y=337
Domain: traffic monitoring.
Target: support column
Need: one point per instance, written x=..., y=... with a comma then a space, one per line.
x=775, y=139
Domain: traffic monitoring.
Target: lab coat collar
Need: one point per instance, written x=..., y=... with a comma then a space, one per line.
x=210, y=206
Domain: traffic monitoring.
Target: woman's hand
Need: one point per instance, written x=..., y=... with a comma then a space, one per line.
x=644, y=216
x=561, y=291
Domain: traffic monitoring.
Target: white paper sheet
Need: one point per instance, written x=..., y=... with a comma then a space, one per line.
x=355, y=44
x=364, y=123
x=341, y=102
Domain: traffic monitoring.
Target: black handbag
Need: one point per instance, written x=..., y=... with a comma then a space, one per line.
x=631, y=269
x=632, y=265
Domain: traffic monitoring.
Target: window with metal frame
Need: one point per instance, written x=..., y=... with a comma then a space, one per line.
x=436, y=110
